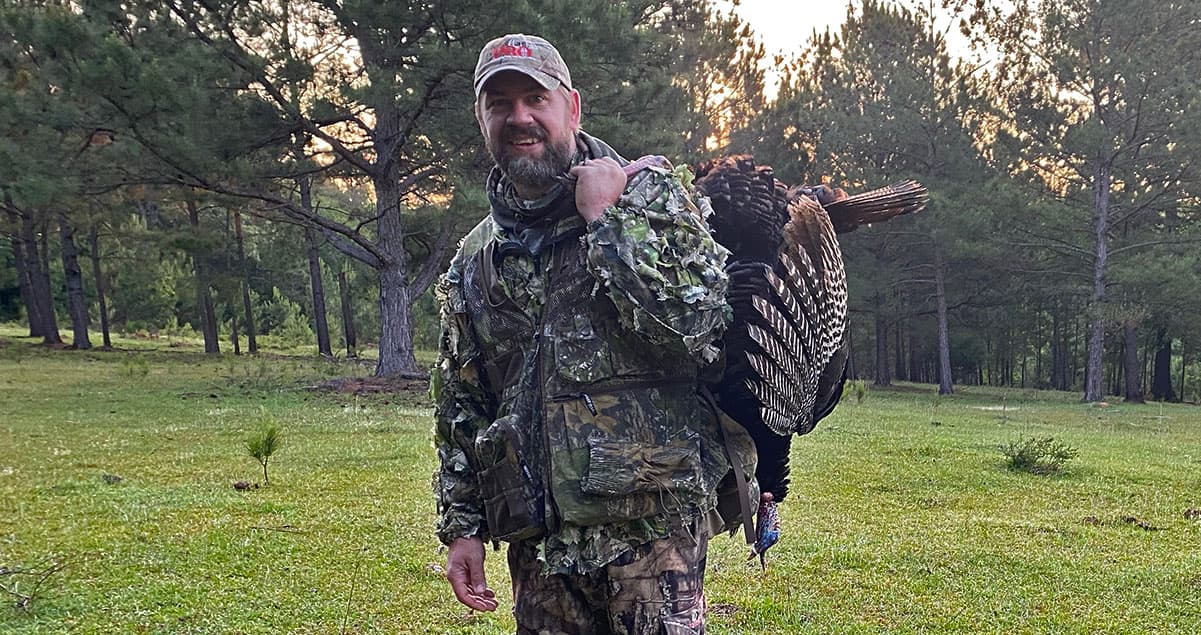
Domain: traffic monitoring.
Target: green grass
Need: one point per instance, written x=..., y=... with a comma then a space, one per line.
x=903, y=517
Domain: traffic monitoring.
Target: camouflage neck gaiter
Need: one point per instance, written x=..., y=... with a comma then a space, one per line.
x=531, y=224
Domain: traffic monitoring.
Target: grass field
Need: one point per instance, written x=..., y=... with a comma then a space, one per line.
x=903, y=519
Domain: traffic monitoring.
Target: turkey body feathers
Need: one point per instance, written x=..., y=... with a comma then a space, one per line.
x=786, y=350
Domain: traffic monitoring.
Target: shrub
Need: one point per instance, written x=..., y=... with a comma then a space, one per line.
x=135, y=366
x=1038, y=455
x=859, y=389
x=262, y=445
x=285, y=322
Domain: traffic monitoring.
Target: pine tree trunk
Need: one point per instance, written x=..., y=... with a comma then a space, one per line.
x=320, y=319
x=1039, y=340
x=98, y=278
x=77, y=303
x=1094, y=386
x=316, y=285
x=899, y=370
x=852, y=370
x=1058, y=372
x=233, y=334
x=396, y=356
x=1133, y=386
x=882, y=377
x=395, y=304
x=916, y=365
x=37, y=269
x=1183, y=368
x=1161, y=376
x=988, y=357
x=252, y=345
x=348, y=331
x=1010, y=357
x=1022, y=368
x=24, y=281
x=1076, y=342
x=1114, y=368
x=208, y=313
x=204, y=296
x=944, y=336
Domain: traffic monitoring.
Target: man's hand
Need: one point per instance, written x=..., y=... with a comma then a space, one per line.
x=465, y=571
x=599, y=184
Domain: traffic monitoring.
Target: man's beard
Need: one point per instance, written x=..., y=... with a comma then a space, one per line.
x=534, y=173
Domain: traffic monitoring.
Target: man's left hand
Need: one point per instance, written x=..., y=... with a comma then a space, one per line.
x=599, y=184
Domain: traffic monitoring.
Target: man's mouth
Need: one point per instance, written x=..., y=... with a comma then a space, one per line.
x=523, y=138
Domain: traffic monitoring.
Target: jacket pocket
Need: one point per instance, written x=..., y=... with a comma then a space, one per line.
x=513, y=498
x=628, y=480
x=621, y=469
x=581, y=353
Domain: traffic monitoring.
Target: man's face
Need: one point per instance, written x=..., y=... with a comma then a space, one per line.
x=529, y=130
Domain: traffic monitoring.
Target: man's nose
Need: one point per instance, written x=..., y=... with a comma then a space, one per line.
x=520, y=114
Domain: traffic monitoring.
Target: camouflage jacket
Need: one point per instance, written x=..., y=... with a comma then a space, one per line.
x=567, y=409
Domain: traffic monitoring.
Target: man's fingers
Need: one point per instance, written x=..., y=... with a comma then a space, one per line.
x=592, y=164
x=468, y=597
x=479, y=587
x=465, y=572
x=485, y=604
x=458, y=584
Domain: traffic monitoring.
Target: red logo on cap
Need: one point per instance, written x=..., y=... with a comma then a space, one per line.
x=511, y=50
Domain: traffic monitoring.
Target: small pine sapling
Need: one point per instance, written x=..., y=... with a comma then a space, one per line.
x=859, y=388
x=1038, y=455
x=262, y=445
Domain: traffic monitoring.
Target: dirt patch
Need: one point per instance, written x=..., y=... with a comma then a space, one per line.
x=1141, y=524
x=903, y=388
x=721, y=610
x=374, y=385
x=1121, y=520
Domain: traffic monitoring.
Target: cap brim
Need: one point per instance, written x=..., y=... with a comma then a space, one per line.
x=546, y=81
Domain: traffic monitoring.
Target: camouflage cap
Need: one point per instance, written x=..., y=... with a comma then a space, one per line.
x=527, y=54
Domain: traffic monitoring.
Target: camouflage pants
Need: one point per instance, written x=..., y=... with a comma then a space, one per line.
x=657, y=589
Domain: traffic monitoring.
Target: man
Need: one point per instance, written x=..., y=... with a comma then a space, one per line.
x=578, y=320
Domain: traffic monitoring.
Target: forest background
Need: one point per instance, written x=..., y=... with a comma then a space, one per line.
x=215, y=167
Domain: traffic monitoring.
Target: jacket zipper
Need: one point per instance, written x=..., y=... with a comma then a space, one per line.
x=540, y=337
x=572, y=396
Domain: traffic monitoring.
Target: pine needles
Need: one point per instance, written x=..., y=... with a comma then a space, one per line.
x=1043, y=455
x=262, y=445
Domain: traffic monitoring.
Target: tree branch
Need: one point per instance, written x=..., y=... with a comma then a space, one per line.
x=240, y=60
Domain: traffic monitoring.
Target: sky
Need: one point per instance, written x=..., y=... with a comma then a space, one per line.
x=784, y=26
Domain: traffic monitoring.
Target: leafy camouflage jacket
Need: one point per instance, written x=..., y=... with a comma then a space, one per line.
x=567, y=408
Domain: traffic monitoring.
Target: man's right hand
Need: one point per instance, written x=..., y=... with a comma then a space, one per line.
x=465, y=571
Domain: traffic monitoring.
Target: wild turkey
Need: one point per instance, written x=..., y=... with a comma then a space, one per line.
x=786, y=352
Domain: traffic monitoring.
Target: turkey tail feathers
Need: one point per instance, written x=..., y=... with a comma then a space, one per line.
x=877, y=206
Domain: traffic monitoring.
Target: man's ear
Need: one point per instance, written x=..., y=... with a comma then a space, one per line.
x=476, y=109
x=575, y=109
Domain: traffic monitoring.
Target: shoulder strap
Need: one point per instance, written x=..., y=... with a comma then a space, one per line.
x=744, y=491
